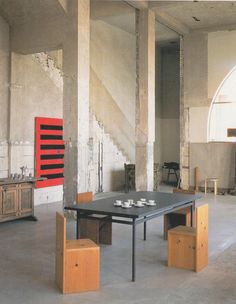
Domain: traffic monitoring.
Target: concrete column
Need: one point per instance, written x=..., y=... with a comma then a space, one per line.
x=145, y=99
x=193, y=92
x=76, y=63
x=184, y=126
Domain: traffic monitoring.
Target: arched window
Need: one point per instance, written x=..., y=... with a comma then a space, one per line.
x=222, y=114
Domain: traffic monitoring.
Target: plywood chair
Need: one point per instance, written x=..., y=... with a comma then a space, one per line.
x=179, y=217
x=77, y=261
x=188, y=246
x=100, y=229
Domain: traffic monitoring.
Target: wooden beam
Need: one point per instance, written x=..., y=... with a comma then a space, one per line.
x=215, y=28
x=138, y=4
x=171, y=22
x=164, y=4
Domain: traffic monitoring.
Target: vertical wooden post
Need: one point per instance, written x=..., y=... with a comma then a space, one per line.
x=196, y=178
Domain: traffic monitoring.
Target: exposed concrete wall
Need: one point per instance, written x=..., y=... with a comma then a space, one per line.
x=39, y=35
x=158, y=110
x=113, y=61
x=112, y=101
x=221, y=58
x=208, y=59
x=195, y=67
x=119, y=77
x=213, y=160
x=113, y=159
x=194, y=93
x=116, y=124
x=170, y=105
x=167, y=106
x=76, y=73
x=145, y=99
x=112, y=82
x=34, y=93
x=4, y=93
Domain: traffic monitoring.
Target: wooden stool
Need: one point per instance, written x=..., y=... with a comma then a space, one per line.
x=188, y=246
x=77, y=261
x=179, y=217
x=215, y=181
x=100, y=229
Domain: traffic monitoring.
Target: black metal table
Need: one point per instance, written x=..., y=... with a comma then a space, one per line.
x=165, y=203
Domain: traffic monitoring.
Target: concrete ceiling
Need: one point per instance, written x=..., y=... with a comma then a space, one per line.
x=122, y=15
x=116, y=13
x=18, y=12
x=198, y=15
x=182, y=16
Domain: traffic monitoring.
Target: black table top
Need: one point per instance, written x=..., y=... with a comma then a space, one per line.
x=164, y=203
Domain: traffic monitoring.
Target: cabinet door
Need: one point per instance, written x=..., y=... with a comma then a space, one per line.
x=10, y=201
x=25, y=198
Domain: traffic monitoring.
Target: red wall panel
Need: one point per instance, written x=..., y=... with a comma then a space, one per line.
x=49, y=151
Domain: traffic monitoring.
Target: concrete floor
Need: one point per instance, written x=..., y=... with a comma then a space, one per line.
x=27, y=263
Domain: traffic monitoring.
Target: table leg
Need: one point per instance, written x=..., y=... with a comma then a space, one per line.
x=77, y=225
x=193, y=214
x=133, y=250
x=145, y=230
x=168, y=175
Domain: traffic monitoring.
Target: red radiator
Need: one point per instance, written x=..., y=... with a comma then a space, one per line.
x=49, y=151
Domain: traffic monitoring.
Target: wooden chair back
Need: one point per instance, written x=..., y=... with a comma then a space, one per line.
x=84, y=197
x=202, y=219
x=60, y=231
x=60, y=248
x=201, y=237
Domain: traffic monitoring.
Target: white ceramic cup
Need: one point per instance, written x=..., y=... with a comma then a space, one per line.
x=118, y=202
x=152, y=202
x=143, y=199
x=130, y=201
x=139, y=203
x=126, y=204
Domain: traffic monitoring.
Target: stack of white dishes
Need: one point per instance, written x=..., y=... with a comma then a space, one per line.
x=118, y=203
x=151, y=203
x=140, y=204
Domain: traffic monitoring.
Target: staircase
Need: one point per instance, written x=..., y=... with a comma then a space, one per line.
x=102, y=105
x=106, y=111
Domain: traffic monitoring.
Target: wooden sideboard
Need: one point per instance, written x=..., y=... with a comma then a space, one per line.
x=16, y=199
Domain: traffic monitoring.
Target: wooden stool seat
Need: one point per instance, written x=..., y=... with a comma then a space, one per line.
x=77, y=261
x=188, y=246
x=179, y=217
x=211, y=180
